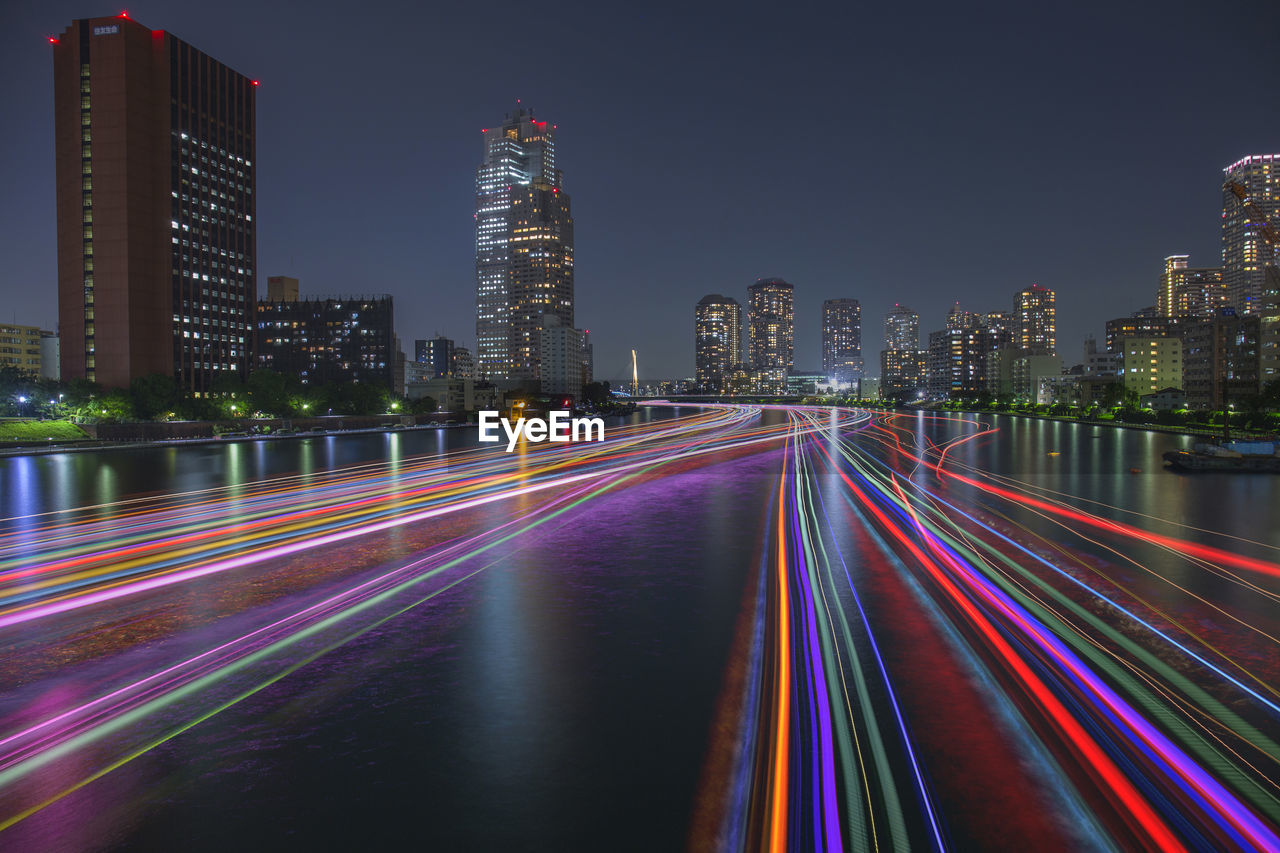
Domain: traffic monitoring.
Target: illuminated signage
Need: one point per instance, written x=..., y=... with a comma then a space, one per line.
x=107, y=30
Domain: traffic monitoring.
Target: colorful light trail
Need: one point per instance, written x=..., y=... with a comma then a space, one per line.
x=940, y=655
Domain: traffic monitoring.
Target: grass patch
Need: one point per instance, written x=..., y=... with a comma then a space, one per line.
x=40, y=431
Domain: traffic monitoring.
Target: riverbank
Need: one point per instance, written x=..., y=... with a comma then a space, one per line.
x=1172, y=429
x=94, y=445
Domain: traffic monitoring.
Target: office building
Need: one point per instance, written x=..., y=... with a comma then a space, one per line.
x=1035, y=328
x=155, y=183
x=524, y=247
x=771, y=324
x=1187, y=291
x=842, y=340
x=1245, y=253
x=330, y=340
x=717, y=340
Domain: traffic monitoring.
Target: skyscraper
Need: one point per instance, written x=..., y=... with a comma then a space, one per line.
x=524, y=247
x=771, y=324
x=1244, y=252
x=902, y=362
x=842, y=340
x=901, y=329
x=717, y=339
x=1187, y=291
x=1035, y=324
x=157, y=244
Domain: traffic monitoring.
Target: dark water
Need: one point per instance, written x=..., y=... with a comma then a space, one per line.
x=560, y=699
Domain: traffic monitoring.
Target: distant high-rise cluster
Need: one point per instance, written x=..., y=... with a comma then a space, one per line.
x=842, y=340
x=771, y=325
x=717, y=340
x=524, y=247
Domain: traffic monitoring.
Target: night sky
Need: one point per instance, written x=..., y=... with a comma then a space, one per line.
x=920, y=155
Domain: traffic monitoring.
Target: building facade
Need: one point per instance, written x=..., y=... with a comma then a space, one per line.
x=771, y=324
x=157, y=243
x=436, y=354
x=565, y=362
x=1035, y=327
x=1149, y=365
x=842, y=340
x=717, y=340
x=20, y=348
x=1220, y=360
x=901, y=329
x=1141, y=325
x=1187, y=291
x=902, y=373
x=1244, y=251
x=329, y=340
x=524, y=246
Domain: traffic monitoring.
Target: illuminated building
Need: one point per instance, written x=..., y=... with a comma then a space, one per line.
x=1034, y=324
x=1244, y=253
x=902, y=362
x=20, y=348
x=1149, y=365
x=436, y=353
x=1142, y=325
x=902, y=329
x=329, y=340
x=842, y=340
x=902, y=373
x=524, y=247
x=156, y=175
x=956, y=359
x=771, y=324
x=1189, y=291
x=717, y=340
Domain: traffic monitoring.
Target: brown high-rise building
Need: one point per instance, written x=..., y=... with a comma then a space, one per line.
x=157, y=244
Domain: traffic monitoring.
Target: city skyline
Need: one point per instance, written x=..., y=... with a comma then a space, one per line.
x=365, y=228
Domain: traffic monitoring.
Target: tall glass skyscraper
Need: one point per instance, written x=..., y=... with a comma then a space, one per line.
x=1244, y=253
x=771, y=333
x=717, y=341
x=524, y=246
x=842, y=340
